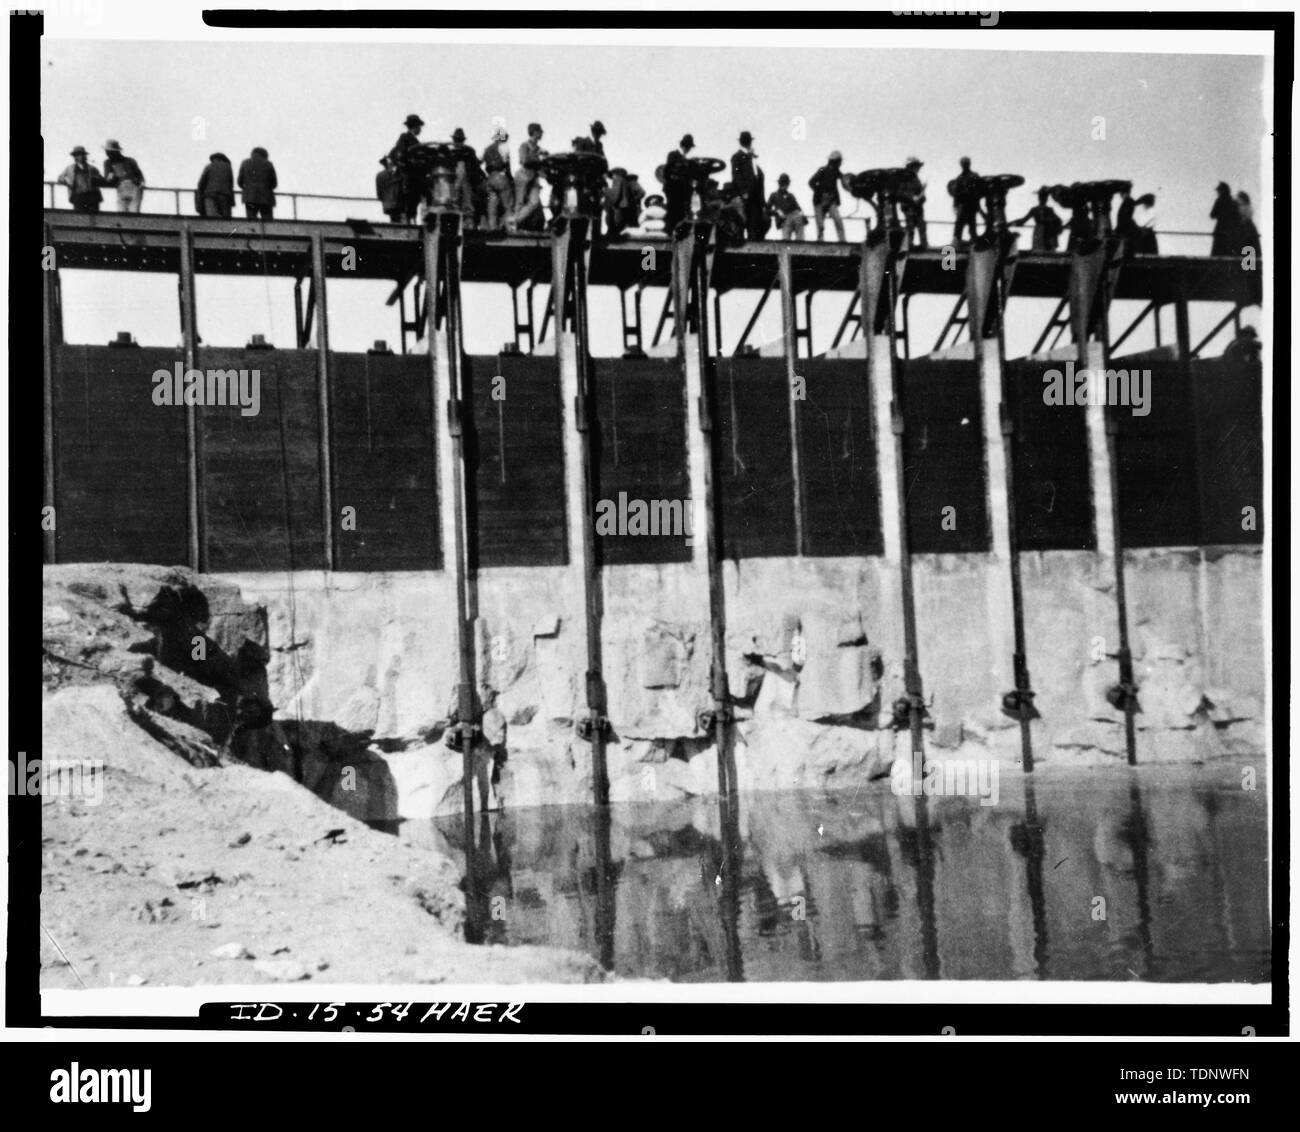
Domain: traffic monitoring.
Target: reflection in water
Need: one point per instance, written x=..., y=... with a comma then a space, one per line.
x=867, y=885
x=729, y=886
x=1138, y=838
x=1027, y=840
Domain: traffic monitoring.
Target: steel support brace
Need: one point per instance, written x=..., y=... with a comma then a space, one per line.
x=852, y=316
x=753, y=318
x=1150, y=308
x=957, y=322
x=1233, y=315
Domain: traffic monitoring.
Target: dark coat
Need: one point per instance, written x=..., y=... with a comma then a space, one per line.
x=257, y=179
x=1227, y=226
x=677, y=189
x=388, y=188
x=411, y=185
x=407, y=141
x=912, y=196
x=1248, y=237
x=1047, y=227
x=825, y=184
x=217, y=180
x=965, y=190
x=747, y=176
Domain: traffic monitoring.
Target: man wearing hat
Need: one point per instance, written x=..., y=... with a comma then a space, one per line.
x=747, y=184
x=911, y=196
x=83, y=181
x=1047, y=223
x=1226, y=215
x=635, y=198
x=825, y=184
x=470, y=192
x=500, y=183
x=965, y=192
x=677, y=184
x=412, y=190
x=122, y=172
x=784, y=209
x=215, y=195
x=590, y=144
x=528, y=215
x=619, y=210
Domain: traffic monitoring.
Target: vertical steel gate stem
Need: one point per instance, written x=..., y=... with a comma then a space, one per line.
x=193, y=439
x=440, y=237
x=52, y=339
x=323, y=398
x=585, y=410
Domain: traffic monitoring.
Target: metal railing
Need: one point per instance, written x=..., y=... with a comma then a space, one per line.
x=855, y=224
x=281, y=197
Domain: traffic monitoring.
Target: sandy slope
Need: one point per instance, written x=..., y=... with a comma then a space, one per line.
x=176, y=861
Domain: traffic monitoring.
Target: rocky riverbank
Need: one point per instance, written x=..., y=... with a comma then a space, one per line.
x=186, y=866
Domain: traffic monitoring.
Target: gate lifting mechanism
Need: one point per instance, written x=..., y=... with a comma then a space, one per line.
x=883, y=261
x=695, y=244
x=1096, y=197
x=707, y=203
x=578, y=180
x=434, y=163
x=992, y=266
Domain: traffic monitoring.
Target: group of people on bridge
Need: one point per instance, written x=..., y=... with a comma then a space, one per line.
x=493, y=195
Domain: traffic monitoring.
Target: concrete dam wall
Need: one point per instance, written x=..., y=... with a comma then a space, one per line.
x=358, y=604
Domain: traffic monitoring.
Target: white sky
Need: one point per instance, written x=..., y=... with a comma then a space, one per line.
x=1174, y=124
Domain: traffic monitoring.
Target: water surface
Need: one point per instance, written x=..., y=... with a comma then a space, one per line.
x=1154, y=874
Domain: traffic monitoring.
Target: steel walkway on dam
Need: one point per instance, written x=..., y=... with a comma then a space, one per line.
x=124, y=242
x=796, y=480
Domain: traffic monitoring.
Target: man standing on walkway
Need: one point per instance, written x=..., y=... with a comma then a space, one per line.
x=412, y=187
x=500, y=184
x=747, y=183
x=470, y=192
x=257, y=179
x=677, y=184
x=388, y=188
x=215, y=195
x=785, y=210
x=123, y=173
x=1226, y=215
x=912, y=198
x=1047, y=223
x=825, y=184
x=965, y=192
x=83, y=181
x=528, y=214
